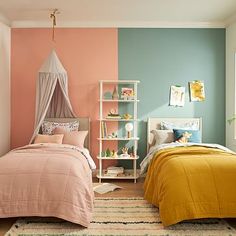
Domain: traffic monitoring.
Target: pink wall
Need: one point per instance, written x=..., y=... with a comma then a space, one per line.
x=88, y=55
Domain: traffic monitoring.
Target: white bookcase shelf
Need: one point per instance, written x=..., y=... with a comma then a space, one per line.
x=128, y=174
x=118, y=158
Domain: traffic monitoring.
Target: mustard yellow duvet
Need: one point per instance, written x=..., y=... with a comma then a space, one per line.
x=192, y=182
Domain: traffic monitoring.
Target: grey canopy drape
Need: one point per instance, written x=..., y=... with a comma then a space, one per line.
x=52, y=99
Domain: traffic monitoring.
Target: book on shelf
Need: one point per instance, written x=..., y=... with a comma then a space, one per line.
x=110, y=174
x=103, y=129
x=115, y=169
x=125, y=174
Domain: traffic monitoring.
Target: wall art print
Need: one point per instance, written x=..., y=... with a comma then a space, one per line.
x=197, y=91
x=177, y=96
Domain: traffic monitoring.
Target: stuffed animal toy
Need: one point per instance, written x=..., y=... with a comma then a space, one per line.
x=184, y=137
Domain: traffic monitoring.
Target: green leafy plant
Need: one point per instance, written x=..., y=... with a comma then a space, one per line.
x=231, y=120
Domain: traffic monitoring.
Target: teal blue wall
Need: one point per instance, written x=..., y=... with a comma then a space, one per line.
x=160, y=58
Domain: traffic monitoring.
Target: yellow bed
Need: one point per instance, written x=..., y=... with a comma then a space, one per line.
x=192, y=182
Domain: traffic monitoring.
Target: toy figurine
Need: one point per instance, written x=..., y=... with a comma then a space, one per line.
x=127, y=116
x=114, y=135
x=132, y=155
x=113, y=114
x=184, y=137
x=125, y=150
x=114, y=154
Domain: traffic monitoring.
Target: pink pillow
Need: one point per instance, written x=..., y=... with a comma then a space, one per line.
x=75, y=138
x=41, y=138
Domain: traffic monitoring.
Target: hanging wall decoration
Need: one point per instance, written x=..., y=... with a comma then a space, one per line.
x=197, y=91
x=54, y=22
x=177, y=96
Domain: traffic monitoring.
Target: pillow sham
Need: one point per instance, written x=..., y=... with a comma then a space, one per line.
x=42, y=138
x=75, y=138
x=162, y=136
x=194, y=138
x=191, y=125
x=49, y=126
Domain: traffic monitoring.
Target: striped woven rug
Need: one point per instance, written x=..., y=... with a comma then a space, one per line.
x=120, y=216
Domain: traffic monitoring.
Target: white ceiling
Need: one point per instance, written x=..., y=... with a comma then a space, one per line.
x=119, y=13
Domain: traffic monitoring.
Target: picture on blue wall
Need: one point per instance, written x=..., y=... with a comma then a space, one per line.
x=177, y=96
x=197, y=91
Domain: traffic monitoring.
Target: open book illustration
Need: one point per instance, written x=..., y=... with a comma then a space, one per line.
x=105, y=188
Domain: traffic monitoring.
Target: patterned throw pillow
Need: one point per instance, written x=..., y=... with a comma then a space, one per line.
x=49, y=126
x=191, y=125
x=195, y=135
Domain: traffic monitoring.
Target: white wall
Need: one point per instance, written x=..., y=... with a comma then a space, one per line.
x=5, y=44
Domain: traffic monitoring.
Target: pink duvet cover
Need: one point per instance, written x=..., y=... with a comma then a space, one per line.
x=46, y=180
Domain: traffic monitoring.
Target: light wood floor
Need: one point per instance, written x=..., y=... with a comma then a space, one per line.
x=129, y=189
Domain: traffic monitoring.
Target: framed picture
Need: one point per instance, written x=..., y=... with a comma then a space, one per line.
x=127, y=93
x=197, y=91
x=177, y=96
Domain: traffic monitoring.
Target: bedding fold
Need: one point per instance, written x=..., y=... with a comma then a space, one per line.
x=189, y=182
x=46, y=180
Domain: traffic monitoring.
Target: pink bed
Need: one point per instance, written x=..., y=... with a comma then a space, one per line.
x=46, y=180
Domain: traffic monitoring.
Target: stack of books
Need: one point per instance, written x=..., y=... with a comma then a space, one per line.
x=104, y=129
x=113, y=116
x=114, y=171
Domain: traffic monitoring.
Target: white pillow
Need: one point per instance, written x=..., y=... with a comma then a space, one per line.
x=162, y=136
x=49, y=126
x=191, y=125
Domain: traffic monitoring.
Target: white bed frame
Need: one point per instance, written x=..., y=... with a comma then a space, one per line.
x=84, y=124
x=154, y=123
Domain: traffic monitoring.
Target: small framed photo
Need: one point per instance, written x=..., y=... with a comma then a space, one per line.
x=127, y=93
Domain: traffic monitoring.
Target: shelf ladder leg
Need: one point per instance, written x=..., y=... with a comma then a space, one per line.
x=135, y=171
x=100, y=170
